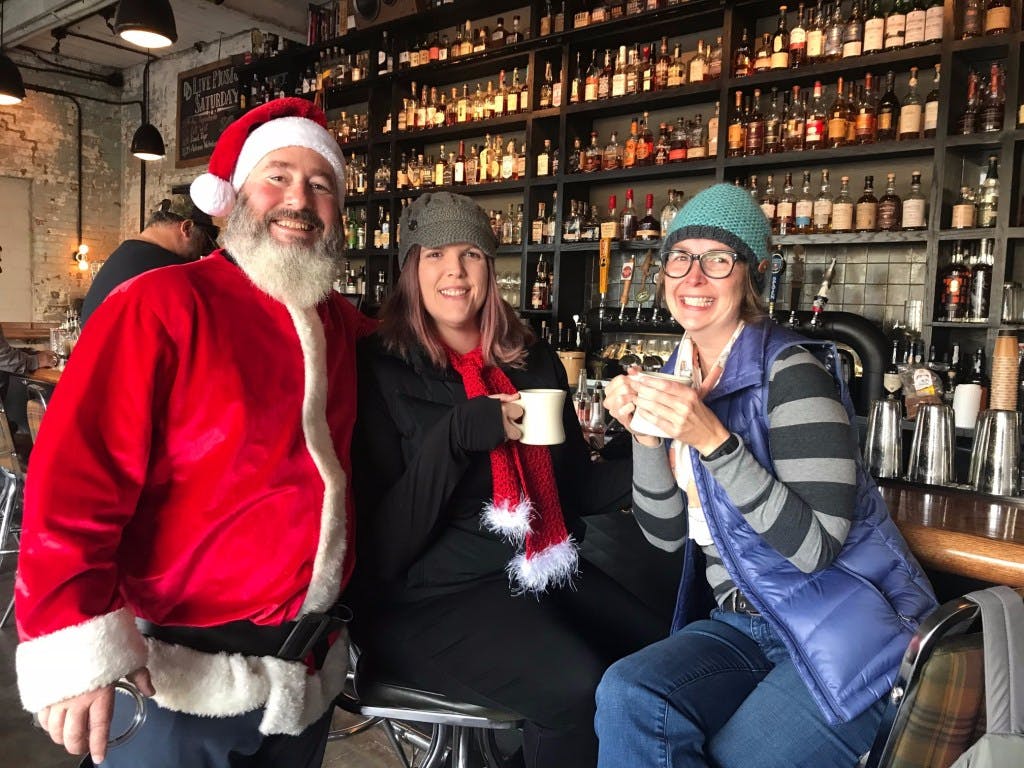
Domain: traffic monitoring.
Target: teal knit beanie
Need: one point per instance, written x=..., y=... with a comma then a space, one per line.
x=728, y=214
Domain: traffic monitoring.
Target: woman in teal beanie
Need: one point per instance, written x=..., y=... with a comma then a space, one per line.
x=753, y=467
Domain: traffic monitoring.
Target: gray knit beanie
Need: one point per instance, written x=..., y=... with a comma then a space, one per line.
x=440, y=218
x=728, y=214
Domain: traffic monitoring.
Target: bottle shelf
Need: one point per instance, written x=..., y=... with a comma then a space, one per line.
x=617, y=246
x=515, y=122
x=700, y=15
x=977, y=233
x=992, y=46
x=683, y=95
x=509, y=250
x=852, y=238
x=476, y=66
x=964, y=324
x=338, y=96
x=976, y=140
x=647, y=172
x=1015, y=233
x=490, y=188
x=855, y=153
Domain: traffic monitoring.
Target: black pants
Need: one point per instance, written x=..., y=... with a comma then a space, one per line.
x=539, y=657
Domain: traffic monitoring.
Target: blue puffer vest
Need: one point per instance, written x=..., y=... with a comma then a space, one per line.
x=846, y=627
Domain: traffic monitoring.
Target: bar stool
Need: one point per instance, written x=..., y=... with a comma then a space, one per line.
x=456, y=727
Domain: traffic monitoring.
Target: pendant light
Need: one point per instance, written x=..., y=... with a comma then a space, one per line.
x=146, y=23
x=147, y=143
x=12, y=87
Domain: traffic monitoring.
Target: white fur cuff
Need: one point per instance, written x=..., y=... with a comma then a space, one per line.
x=78, y=659
x=553, y=567
x=512, y=523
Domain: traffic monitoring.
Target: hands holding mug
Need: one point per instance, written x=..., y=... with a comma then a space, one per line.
x=533, y=416
x=511, y=415
x=660, y=405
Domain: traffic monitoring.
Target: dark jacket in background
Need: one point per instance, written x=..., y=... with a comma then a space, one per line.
x=130, y=259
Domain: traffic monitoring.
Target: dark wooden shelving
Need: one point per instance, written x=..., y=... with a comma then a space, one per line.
x=491, y=188
x=960, y=324
x=338, y=96
x=975, y=140
x=855, y=153
x=991, y=46
x=977, y=233
x=695, y=93
x=852, y=238
x=644, y=173
x=472, y=67
x=506, y=123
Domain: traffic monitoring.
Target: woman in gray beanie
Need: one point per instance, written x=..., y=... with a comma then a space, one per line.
x=812, y=593
x=452, y=507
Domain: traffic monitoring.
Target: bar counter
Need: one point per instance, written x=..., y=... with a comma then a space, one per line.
x=961, y=532
x=44, y=375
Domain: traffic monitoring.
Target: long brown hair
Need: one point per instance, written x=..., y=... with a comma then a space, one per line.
x=406, y=325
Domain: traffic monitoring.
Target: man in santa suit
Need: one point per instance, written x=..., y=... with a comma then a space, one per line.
x=187, y=516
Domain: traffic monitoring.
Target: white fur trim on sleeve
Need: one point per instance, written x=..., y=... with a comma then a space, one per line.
x=553, y=567
x=510, y=522
x=78, y=659
x=325, y=584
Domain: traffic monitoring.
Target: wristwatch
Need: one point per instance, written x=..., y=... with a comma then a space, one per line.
x=730, y=445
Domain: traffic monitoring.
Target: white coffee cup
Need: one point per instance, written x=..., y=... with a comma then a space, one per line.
x=643, y=426
x=542, y=416
x=966, y=403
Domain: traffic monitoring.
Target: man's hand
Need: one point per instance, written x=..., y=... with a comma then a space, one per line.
x=83, y=722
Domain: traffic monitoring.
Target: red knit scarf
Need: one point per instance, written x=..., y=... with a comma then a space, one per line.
x=525, y=509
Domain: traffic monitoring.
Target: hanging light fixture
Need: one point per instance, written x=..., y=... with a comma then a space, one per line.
x=146, y=23
x=12, y=87
x=147, y=143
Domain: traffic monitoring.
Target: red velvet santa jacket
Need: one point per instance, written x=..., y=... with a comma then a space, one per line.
x=192, y=469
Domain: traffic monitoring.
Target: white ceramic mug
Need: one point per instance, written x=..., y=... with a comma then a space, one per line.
x=542, y=416
x=643, y=426
x=966, y=403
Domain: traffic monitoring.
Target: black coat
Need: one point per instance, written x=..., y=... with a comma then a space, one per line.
x=422, y=473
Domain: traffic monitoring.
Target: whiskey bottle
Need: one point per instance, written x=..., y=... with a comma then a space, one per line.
x=866, y=117
x=911, y=111
x=917, y=19
x=780, y=43
x=964, y=210
x=628, y=220
x=981, y=281
x=537, y=227
x=711, y=135
x=842, y=208
x=972, y=20
x=785, y=211
x=822, y=212
x=796, y=122
x=953, y=286
x=896, y=24
x=593, y=76
x=763, y=54
x=874, y=27
x=742, y=60
x=773, y=125
x=815, y=36
x=798, y=41
x=931, y=107
x=853, y=33
x=990, y=117
x=544, y=159
x=604, y=79
x=867, y=208
x=551, y=224
x=834, y=31
x=629, y=151
x=988, y=202
x=997, y=17
x=737, y=133
x=838, y=119
x=539, y=291
x=803, y=215
x=648, y=228
x=698, y=70
x=755, y=128
x=459, y=167
x=769, y=202
x=815, y=127
x=594, y=156
x=677, y=147
x=890, y=207
x=669, y=211
x=544, y=102
x=888, y=110
x=915, y=206
x=933, y=21
x=968, y=122
x=619, y=74
x=577, y=86
x=613, y=153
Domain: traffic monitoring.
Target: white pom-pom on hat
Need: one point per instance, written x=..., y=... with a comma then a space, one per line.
x=212, y=194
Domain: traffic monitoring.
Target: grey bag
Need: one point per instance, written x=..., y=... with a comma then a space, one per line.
x=1002, y=624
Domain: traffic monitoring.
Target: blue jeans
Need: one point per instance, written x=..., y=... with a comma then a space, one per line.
x=721, y=692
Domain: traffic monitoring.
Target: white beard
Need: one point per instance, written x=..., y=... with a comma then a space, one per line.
x=296, y=275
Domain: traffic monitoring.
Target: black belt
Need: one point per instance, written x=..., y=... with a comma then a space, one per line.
x=291, y=641
x=737, y=603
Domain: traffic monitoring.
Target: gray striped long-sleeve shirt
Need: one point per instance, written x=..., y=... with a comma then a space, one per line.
x=805, y=511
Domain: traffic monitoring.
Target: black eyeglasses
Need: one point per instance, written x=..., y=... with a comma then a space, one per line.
x=715, y=264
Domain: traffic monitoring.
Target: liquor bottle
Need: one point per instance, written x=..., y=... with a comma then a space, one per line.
x=551, y=224
x=645, y=142
x=890, y=207
x=669, y=211
x=544, y=102
x=917, y=19
x=785, y=211
x=964, y=210
x=780, y=43
x=498, y=33
x=676, y=70
x=539, y=291
x=712, y=133
x=953, y=286
x=577, y=86
x=866, y=117
x=911, y=111
x=619, y=74
x=677, y=146
x=661, y=149
x=834, y=30
x=604, y=79
x=798, y=41
x=815, y=126
x=594, y=155
x=988, y=202
x=742, y=60
x=773, y=125
x=997, y=17
x=933, y=21
x=977, y=376
x=867, y=207
x=874, y=27
x=514, y=35
x=763, y=54
x=822, y=212
x=915, y=206
x=699, y=65
x=896, y=24
x=537, y=228
x=628, y=219
x=544, y=159
x=842, y=208
x=981, y=281
x=931, y=107
x=459, y=166
x=853, y=33
x=953, y=372
x=968, y=122
x=610, y=229
x=815, y=37
x=769, y=202
x=990, y=117
x=593, y=76
x=796, y=122
x=737, y=133
x=891, y=382
x=753, y=189
x=648, y=228
x=888, y=110
x=754, y=139
x=838, y=119
x=803, y=215
x=972, y=20
x=612, y=153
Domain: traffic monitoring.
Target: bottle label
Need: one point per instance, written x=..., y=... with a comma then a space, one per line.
x=865, y=125
x=537, y=231
x=837, y=128
x=887, y=215
x=895, y=30
x=713, y=139
x=784, y=210
x=884, y=121
x=768, y=208
x=590, y=91
x=963, y=216
x=677, y=154
x=459, y=176
x=798, y=38
x=755, y=138
x=735, y=136
x=815, y=41
x=913, y=213
x=910, y=120
x=916, y=20
x=780, y=60
x=814, y=132
x=874, y=35
x=542, y=164
x=609, y=230
x=933, y=24
x=647, y=233
x=852, y=48
x=698, y=71
x=697, y=151
x=842, y=216
x=822, y=213
x=931, y=115
x=619, y=84
x=997, y=19
x=804, y=212
x=867, y=216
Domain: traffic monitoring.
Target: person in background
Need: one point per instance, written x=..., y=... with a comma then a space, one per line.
x=452, y=506
x=813, y=593
x=14, y=360
x=187, y=516
x=176, y=233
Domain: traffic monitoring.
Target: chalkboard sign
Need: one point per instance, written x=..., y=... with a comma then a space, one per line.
x=207, y=103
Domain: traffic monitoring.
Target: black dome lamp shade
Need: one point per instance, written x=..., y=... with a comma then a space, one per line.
x=147, y=143
x=146, y=23
x=12, y=88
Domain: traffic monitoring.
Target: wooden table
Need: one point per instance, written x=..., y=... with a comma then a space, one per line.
x=45, y=375
x=961, y=532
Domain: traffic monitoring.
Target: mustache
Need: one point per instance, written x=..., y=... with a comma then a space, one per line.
x=302, y=216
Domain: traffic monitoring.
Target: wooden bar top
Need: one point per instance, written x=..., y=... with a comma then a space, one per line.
x=47, y=375
x=961, y=532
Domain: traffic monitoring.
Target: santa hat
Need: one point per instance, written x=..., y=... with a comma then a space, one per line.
x=288, y=122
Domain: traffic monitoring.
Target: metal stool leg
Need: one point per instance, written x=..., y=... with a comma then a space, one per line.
x=438, y=746
x=7, y=613
x=489, y=748
x=462, y=752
